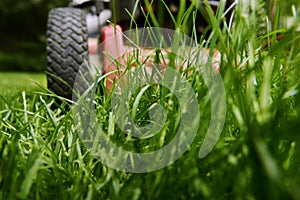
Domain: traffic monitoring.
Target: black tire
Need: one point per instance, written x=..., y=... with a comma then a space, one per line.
x=66, y=49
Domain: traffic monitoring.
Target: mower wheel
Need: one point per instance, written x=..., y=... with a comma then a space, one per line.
x=66, y=49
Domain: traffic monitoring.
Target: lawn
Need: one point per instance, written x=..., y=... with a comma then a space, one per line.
x=13, y=83
x=44, y=156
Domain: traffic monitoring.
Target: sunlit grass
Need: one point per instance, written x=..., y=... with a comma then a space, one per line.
x=12, y=83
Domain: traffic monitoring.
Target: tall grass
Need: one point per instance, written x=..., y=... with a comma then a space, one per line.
x=257, y=156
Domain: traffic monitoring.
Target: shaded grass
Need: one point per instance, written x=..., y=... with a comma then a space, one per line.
x=18, y=54
x=19, y=62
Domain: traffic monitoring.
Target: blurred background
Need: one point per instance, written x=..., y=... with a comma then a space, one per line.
x=22, y=33
x=23, y=27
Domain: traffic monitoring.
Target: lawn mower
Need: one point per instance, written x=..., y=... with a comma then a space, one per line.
x=74, y=32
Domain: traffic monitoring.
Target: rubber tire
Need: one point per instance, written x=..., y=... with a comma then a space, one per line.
x=66, y=49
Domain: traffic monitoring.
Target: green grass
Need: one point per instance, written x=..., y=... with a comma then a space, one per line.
x=13, y=83
x=257, y=156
